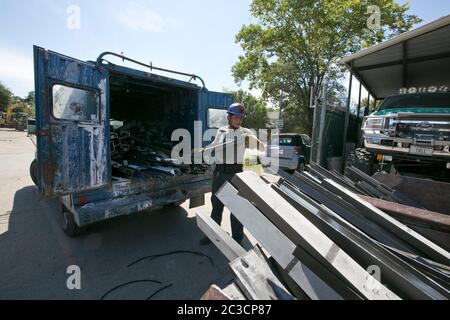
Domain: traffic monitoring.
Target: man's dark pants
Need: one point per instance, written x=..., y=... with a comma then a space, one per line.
x=222, y=175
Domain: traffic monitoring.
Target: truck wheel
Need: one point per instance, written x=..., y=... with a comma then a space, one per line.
x=69, y=225
x=34, y=171
x=361, y=159
x=174, y=204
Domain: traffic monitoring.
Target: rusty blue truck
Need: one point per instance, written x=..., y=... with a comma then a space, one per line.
x=104, y=136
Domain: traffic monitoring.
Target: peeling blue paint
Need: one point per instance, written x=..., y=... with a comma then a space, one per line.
x=74, y=156
x=120, y=201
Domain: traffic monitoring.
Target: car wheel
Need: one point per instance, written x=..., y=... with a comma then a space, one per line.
x=34, y=171
x=69, y=226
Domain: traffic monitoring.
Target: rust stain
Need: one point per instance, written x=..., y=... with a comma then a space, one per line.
x=49, y=173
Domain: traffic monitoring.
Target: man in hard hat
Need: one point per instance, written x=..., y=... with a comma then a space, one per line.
x=232, y=138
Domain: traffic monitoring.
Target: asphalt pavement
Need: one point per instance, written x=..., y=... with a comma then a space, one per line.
x=152, y=255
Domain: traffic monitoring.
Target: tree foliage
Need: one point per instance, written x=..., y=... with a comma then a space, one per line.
x=374, y=104
x=295, y=43
x=29, y=99
x=5, y=97
x=17, y=107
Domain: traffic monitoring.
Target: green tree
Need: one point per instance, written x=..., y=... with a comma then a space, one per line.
x=257, y=113
x=29, y=99
x=373, y=104
x=5, y=97
x=295, y=43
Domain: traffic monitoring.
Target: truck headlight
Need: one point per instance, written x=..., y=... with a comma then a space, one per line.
x=373, y=123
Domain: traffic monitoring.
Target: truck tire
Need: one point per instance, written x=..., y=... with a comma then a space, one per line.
x=34, y=171
x=174, y=204
x=69, y=226
x=361, y=159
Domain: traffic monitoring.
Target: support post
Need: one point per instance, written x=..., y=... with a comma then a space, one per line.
x=359, y=99
x=323, y=113
x=358, y=137
x=347, y=119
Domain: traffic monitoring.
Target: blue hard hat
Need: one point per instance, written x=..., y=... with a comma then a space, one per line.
x=237, y=109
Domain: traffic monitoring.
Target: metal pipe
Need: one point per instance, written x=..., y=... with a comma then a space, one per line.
x=150, y=66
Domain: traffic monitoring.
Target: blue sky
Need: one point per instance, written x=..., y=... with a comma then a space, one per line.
x=195, y=36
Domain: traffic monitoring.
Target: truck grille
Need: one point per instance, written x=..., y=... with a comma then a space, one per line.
x=423, y=132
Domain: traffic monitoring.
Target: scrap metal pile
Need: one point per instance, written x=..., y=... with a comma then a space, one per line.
x=139, y=150
x=361, y=183
x=319, y=239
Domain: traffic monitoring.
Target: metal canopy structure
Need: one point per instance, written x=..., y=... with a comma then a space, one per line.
x=417, y=58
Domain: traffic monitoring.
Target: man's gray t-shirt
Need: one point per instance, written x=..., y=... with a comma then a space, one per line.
x=229, y=145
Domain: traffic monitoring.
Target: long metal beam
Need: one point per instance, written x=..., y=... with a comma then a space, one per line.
x=346, y=211
x=386, y=222
x=256, y=279
x=276, y=243
x=390, y=193
x=436, y=271
x=318, y=170
x=222, y=240
x=400, y=277
x=330, y=260
x=402, y=62
x=363, y=176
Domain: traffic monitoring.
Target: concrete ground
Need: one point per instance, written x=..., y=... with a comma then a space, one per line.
x=35, y=253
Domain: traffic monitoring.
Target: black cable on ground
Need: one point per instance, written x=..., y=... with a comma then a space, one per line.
x=159, y=290
x=156, y=256
x=128, y=283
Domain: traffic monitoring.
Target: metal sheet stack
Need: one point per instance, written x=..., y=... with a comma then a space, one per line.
x=323, y=241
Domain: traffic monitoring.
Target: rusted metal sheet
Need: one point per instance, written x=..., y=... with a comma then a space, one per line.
x=426, y=247
x=214, y=293
x=432, y=195
x=425, y=218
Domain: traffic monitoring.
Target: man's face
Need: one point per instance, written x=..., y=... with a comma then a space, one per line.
x=235, y=122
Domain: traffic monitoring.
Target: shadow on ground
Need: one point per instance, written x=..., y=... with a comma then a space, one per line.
x=35, y=255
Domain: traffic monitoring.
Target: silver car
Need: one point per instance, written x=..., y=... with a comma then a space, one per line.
x=292, y=150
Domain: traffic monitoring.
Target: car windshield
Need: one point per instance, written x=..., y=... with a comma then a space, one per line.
x=424, y=100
